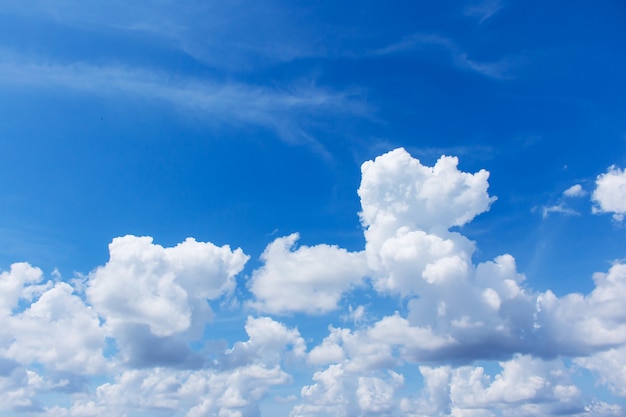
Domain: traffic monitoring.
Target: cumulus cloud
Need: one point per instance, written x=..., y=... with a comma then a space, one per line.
x=147, y=284
x=138, y=322
x=268, y=340
x=610, y=367
x=308, y=279
x=338, y=391
x=19, y=283
x=525, y=386
x=610, y=193
x=398, y=190
x=56, y=328
x=231, y=386
x=407, y=209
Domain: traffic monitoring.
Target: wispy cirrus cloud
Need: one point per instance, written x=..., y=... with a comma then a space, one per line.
x=500, y=69
x=237, y=36
x=483, y=10
x=286, y=110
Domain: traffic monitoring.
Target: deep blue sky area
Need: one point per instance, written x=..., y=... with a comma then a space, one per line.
x=241, y=123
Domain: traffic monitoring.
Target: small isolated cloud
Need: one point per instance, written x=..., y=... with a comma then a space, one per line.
x=499, y=69
x=575, y=190
x=483, y=10
x=560, y=208
x=610, y=193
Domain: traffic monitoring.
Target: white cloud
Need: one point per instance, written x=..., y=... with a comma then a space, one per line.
x=526, y=386
x=147, y=284
x=232, y=386
x=268, y=341
x=501, y=69
x=308, y=279
x=610, y=366
x=398, y=190
x=18, y=389
x=483, y=10
x=135, y=323
x=560, y=208
x=610, y=193
x=57, y=330
x=523, y=383
x=376, y=396
x=201, y=393
x=578, y=324
x=330, y=350
x=407, y=209
x=337, y=391
x=575, y=190
x=18, y=283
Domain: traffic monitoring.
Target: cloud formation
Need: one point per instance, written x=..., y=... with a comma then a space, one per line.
x=131, y=336
x=308, y=279
x=286, y=110
x=610, y=193
x=162, y=288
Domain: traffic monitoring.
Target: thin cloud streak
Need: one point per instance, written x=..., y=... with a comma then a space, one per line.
x=285, y=111
x=484, y=10
x=211, y=33
x=500, y=70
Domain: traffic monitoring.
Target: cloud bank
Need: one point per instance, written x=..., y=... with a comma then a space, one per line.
x=134, y=335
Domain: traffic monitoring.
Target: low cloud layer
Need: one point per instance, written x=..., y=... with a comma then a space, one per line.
x=134, y=335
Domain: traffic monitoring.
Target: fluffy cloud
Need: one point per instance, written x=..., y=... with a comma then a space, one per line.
x=232, y=385
x=407, y=209
x=159, y=287
x=337, y=391
x=308, y=279
x=19, y=283
x=610, y=366
x=526, y=386
x=397, y=190
x=55, y=329
x=610, y=193
x=140, y=322
x=268, y=340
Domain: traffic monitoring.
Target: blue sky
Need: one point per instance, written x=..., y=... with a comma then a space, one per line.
x=311, y=209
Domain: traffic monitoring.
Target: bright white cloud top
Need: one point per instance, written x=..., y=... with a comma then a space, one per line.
x=610, y=193
x=134, y=335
